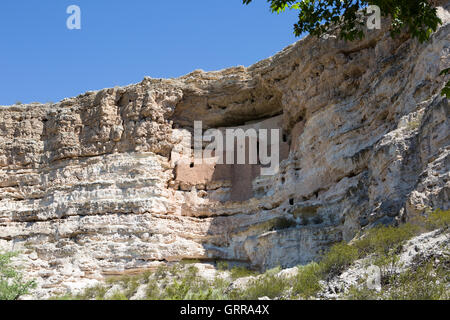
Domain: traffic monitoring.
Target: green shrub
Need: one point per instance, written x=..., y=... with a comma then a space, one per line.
x=307, y=280
x=118, y=296
x=92, y=293
x=131, y=287
x=439, y=219
x=163, y=271
x=266, y=285
x=222, y=265
x=361, y=292
x=241, y=272
x=186, y=285
x=236, y=272
x=389, y=265
x=220, y=288
x=381, y=239
x=425, y=283
x=182, y=286
x=152, y=291
x=12, y=285
x=339, y=257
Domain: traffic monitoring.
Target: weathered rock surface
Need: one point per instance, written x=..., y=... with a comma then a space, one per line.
x=88, y=186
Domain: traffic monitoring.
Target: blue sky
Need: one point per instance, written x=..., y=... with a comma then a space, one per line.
x=122, y=41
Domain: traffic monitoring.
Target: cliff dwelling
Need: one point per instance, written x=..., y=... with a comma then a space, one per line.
x=236, y=179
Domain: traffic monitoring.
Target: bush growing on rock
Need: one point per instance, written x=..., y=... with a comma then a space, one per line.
x=339, y=257
x=427, y=282
x=381, y=239
x=439, y=219
x=12, y=284
x=307, y=281
x=268, y=285
x=241, y=272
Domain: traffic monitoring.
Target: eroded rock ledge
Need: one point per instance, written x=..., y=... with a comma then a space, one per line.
x=88, y=187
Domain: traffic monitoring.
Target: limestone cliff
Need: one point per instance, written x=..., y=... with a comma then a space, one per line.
x=89, y=187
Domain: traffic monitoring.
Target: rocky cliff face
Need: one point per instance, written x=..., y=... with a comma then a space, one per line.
x=89, y=186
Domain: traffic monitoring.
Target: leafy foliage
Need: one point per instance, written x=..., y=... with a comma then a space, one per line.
x=446, y=90
x=307, y=281
x=317, y=17
x=236, y=272
x=438, y=219
x=381, y=240
x=426, y=282
x=267, y=285
x=339, y=257
x=241, y=272
x=12, y=285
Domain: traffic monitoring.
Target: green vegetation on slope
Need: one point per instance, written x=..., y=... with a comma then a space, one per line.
x=382, y=244
x=12, y=285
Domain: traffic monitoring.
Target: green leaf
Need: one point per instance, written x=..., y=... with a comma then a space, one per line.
x=445, y=72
